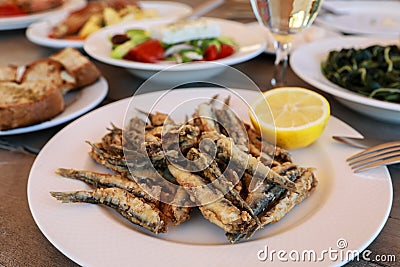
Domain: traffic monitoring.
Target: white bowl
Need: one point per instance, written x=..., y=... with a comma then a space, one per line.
x=306, y=63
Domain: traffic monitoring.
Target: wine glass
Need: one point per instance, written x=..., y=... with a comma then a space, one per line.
x=284, y=19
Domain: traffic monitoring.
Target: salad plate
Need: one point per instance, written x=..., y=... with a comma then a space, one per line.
x=91, y=235
x=306, y=63
x=250, y=43
x=19, y=22
x=38, y=32
x=372, y=18
x=77, y=103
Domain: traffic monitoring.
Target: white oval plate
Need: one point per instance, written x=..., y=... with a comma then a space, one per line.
x=92, y=235
x=306, y=63
x=375, y=18
x=76, y=103
x=38, y=32
x=250, y=41
x=19, y=22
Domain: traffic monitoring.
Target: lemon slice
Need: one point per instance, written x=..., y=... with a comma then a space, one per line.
x=291, y=117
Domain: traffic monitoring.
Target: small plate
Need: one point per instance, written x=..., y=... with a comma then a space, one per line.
x=333, y=218
x=38, y=32
x=250, y=44
x=306, y=63
x=374, y=18
x=76, y=103
x=19, y=22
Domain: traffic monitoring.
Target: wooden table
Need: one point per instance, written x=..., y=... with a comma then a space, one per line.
x=22, y=243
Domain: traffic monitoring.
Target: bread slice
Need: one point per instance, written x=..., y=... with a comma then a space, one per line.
x=84, y=71
x=8, y=73
x=50, y=71
x=28, y=103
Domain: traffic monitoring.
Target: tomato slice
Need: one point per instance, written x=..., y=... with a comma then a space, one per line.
x=225, y=51
x=8, y=10
x=149, y=51
x=211, y=53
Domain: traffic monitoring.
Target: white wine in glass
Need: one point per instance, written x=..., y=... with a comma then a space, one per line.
x=284, y=19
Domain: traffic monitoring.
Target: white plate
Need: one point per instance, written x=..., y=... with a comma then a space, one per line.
x=306, y=63
x=374, y=18
x=76, y=103
x=92, y=235
x=38, y=32
x=312, y=34
x=250, y=42
x=19, y=22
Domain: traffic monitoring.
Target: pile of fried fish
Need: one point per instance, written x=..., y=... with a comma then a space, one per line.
x=162, y=170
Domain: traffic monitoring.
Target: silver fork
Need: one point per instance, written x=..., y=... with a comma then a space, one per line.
x=383, y=154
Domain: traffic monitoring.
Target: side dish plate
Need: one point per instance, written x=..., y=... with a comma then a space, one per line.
x=250, y=43
x=19, y=22
x=76, y=103
x=306, y=63
x=38, y=32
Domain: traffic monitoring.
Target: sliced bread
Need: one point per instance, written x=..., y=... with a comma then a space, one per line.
x=79, y=66
x=28, y=103
x=51, y=71
x=8, y=73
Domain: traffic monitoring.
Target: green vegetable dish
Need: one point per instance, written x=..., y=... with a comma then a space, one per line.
x=373, y=71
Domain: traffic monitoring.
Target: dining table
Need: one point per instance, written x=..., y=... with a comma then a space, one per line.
x=21, y=241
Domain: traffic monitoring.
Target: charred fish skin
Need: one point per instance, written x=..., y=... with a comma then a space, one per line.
x=132, y=208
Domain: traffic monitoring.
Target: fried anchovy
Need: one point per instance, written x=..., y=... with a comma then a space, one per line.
x=307, y=182
x=157, y=119
x=109, y=180
x=179, y=210
x=266, y=196
x=205, y=117
x=227, y=150
x=132, y=208
x=212, y=204
x=112, y=141
x=232, y=126
x=214, y=174
x=261, y=148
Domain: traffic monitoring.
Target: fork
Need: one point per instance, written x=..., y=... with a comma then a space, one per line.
x=383, y=154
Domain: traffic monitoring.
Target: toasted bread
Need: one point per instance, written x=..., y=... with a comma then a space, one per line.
x=79, y=66
x=51, y=71
x=8, y=73
x=28, y=103
x=36, y=95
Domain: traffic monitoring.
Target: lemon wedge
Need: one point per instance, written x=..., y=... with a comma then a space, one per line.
x=290, y=117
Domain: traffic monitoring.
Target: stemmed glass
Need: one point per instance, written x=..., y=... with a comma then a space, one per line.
x=284, y=19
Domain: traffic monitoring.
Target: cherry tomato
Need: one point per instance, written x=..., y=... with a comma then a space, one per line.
x=211, y=53
x=10, y=10
x=226, y=50
x=149, y=51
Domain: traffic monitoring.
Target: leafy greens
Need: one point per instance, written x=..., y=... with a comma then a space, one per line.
x=373, y=71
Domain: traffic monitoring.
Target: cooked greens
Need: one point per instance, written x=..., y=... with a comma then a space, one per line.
x=373, y=71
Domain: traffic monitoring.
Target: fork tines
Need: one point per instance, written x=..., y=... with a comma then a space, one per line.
x=384, y=154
